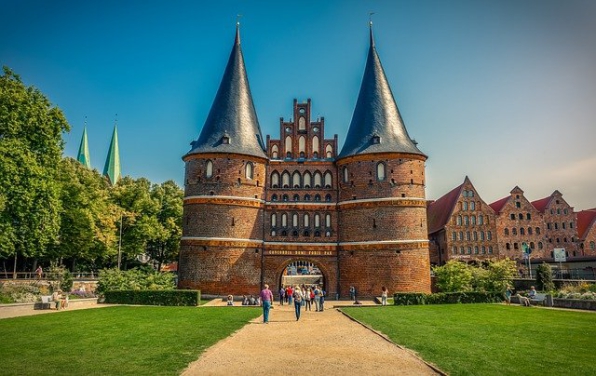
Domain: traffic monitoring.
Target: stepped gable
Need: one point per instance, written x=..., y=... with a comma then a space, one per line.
x=586, y=219
x=377, y=126
x=232, y=125
x=439, y=212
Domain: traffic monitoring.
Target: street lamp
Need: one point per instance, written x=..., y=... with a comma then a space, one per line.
x=120, y=244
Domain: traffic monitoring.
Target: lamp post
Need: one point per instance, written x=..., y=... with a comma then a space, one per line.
x=120, y=244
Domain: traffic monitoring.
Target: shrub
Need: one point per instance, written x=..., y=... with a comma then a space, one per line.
x=134, y=279
x=154, y=297
x=544, y=277
x=448, y=298
x=18, y=292
x=454, y=276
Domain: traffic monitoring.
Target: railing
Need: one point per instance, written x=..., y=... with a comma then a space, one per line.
x=570, y=274
x=46, y=276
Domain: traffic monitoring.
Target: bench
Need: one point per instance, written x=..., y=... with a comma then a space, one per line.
x=538, y=299
x=46, y=302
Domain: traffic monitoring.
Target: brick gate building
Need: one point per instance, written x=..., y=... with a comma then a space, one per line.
x=253, y=206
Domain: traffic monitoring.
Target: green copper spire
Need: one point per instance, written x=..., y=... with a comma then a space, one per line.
x=112, y=166
x=83, y=155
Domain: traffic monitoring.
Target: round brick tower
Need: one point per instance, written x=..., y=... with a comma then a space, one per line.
x=222, y=232
x=383, y=237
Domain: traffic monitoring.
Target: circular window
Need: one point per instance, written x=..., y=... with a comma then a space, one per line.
x=315, y=129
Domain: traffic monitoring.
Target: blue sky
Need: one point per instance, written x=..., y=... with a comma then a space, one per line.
x=501, y=91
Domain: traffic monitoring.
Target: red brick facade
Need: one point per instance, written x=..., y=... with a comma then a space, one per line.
x=361, y=220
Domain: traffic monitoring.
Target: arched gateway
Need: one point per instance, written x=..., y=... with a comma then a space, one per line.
x=253, y=206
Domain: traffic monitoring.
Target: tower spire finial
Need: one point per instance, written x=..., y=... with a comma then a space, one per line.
x=238, y=28
x=370, y=25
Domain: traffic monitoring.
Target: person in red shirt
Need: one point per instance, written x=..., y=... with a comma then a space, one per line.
x=266, y=301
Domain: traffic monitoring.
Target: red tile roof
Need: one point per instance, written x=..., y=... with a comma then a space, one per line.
x=541, y=204
x=498, y=205
x=586, y=219
x=439, y=212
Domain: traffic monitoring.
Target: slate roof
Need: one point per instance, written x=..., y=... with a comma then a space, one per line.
x=376, y=115
x=232, y=114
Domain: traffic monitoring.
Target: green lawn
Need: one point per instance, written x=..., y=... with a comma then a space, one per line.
x=115, y=340
x=491, y=339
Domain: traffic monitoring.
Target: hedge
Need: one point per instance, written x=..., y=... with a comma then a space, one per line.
x=447, y=298
x=154, y=297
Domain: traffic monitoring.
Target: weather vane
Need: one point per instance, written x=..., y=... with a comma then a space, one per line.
x=238, y=19
x=370, y=14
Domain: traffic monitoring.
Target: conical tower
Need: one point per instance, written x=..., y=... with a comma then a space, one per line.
x=382, y=208
x=222, y=236
x=83, y=154
x=111, y=169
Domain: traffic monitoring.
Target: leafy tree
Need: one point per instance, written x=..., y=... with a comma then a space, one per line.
x=88, y=220
x=164, y=247
x=31, y=146
x=454, y=276
x=544, y=277
x=500, y=274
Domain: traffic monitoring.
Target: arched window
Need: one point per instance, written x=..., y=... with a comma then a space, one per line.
x=522, y=231
x=454, y=236
x=327, y=220
x=380, y=171
x=274, y=198
x=529, y=230
x=307, y=180
x=318, y=179
x=475, y=236
x=317, y=220
x=540, y=245
x=295, y=220
x=592, y=245
x=507, y=246
x=489, y=235
x=296, y=198
x=346, y=175
x=470, y=193
x=288, y=145
x=273, y=233
x=481, y=235
x=284, y=198
x=475, y=249
x=248, y=169
x=461, y=235
x=315, y=144
x=284, y=220
x=317, y=197
x=306, y=220
x=301, y=124
x=473, y=220
x=528, y=216
x=329, y=151
x=307, y=197
x=472, y=205
x=274, y=152
x=328, y=181
x=537, y=230
x=273, y=220
x=209, y=169
x=296, y=180
x=506, y=232
x=468, y=236
x=465, y=205
x=328, y=198
x=275, y=179
x=458, y=220
x=285, y=179
x=466, y=220
x=302, y=145
x=514, y=231
x=480, y=220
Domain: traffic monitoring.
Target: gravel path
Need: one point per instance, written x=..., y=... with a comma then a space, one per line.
x=321, y=343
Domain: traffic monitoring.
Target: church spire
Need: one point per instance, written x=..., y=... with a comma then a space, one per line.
x=377, y=126
x=112, y=166
x=232, y=125
x=83, y=155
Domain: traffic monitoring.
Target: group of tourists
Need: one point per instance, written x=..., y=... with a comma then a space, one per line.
x=299, y=295
x=303, y=296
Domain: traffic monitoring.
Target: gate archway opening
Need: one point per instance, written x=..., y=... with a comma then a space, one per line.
x=303, y=272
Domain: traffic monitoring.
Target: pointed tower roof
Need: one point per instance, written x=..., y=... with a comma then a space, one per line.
x=232, y=125
x=112, y=166
x=83, y=155
x=377, y=126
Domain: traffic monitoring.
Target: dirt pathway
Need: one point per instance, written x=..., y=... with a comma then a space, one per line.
x=321, y=343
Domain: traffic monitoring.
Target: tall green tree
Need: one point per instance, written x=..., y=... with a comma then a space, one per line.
x=31, y=147
x=454, y=276
x=88, y=219
x=164, y=247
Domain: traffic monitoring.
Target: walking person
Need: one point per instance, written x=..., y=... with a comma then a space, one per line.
x=352, y=293
x=322, y=300
x=384, y=295
x=266, y=301
x=308, y=300
x=298, y=297
x=282, y=294
x=39, y=272
x=317, y=293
